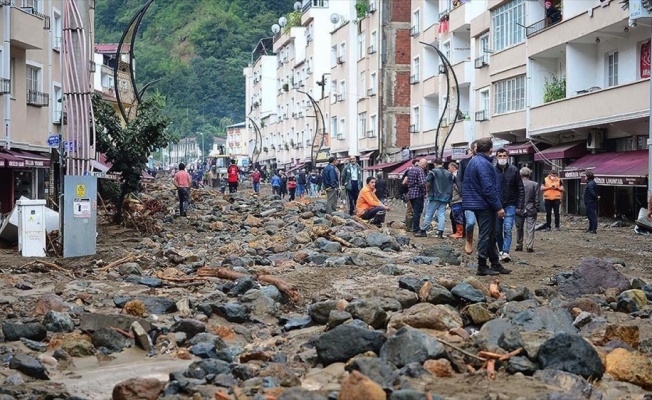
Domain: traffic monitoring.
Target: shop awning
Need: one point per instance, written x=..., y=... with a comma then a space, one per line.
x=295, y=167
x=32, y=160
x=9, y=161
x=382, y=166
x=566, y=150
x=366, y=156
x=521, y=149
x=628, y=168
x=398, y=172
x=577, y=169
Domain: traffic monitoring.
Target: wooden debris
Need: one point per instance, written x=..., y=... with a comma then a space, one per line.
x=49, y=265
x=224, y=273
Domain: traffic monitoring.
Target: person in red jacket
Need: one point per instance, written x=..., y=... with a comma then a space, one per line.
x=232, y=175
x=255, y=179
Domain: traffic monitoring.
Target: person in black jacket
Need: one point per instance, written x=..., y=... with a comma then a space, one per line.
x=512, y=199
x=591, y=202
x=381, y=187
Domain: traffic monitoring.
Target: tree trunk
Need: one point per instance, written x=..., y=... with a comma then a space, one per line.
x=123, y=194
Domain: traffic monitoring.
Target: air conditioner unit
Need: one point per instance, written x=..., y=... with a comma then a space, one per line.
x=340, y=60
x=595, y=139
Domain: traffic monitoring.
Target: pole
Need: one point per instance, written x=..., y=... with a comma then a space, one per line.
x=649, y=142
x=202, y=148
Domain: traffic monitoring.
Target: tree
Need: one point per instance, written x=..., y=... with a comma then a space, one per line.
x=128, y=147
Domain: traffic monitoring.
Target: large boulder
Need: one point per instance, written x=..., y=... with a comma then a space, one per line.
x=571, y=353
x=357, y=386
x=346, y=341
x=369, y=312
x=427, y=316
x=545, y=318
x=138, y=389
x=593, y=275
x=410, y=345
x=632, y=367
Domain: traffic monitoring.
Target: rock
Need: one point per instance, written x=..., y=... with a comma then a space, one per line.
x=532, y=342
x=571, y=353
x=151, y=282
x=202, y=368
x=92, y=321
x=141, y=337
x=301, y=394
x=582, y=319
x=441, y=368
x=34, y=345
x=631, y=367
x=190, y=327
x=509, y=310
x=77, y=346
x=584, y=304
x=183, y=308
x=445, y=252
x=428, y=316
x=647, y=289
x=337, y=317
x=545, y=318
x=320, y=311
x=410, y=345
x=31, y=331
x=411, y=283
x=12, y=380
x=55, y=321
x=50, y=302
x=591, y=276
x=478, y=313
x=204, y=350
x=272, y=292
x=382, y=241
x=510, y=339
x=390, y=270
x=369, y=312
x=302, y=237
x=522, y=365
x=411, y=394
x=327, y=246
x=29, y=366
x=422, y=260
x=519, y=293
x=377, y=369
x=357, y=386
x=468, y=293
x=440, y=295
x=632, y=300
x=475, y=282
x=346, y=341
x=109, y=339
x=153, y=304
x=491, y=332
x=138, y=389
x=301, y=322
x=130, y=268
x=629, y=334
x=241, y=286
x=573, y=386
x=233, y=312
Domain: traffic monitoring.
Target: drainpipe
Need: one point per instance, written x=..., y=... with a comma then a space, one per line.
x=6, y=57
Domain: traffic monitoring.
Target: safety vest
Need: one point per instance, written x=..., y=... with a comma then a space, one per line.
x=553, y=194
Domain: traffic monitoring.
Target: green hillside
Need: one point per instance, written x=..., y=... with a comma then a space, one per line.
x=198, y=49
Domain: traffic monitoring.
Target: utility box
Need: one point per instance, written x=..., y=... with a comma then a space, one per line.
x=79, y=215
x=31, y=227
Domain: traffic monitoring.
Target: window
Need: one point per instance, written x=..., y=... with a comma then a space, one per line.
x=334, y=90
x=484, y=100
x=334, y=56
x=362, y=125
x=508, y=23
x=612, y=68
x=509, y=95
x=342, y=132
x=12, y=76
x=415, y=119
x=342, y=52
x=446, y=49
x=362, y=88
x=342, y=90
x=372, y=83
x=414, y=31
x=333, y=127
x=361, y=49
x=32, y=77
x=35, y=4
x=57, y=32
x=484, y=45
x=416, y=68
x=373, y=39
x=372, y=126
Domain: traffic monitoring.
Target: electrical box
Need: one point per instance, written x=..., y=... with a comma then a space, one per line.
x=79, y=215
x=31, y=227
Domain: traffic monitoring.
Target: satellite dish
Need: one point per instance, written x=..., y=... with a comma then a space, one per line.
x=276, y=28
x=282, y=21
x=335, y=18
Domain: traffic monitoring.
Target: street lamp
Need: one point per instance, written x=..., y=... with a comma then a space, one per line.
x=202, y=148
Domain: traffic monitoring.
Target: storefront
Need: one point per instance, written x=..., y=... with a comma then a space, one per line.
x=22, y=173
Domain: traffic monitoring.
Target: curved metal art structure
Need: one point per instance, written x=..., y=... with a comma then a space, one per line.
x=315, y=106
x=448, y=70
x=257, y=149
x=129, y=36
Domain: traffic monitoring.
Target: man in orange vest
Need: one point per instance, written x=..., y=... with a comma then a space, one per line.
x=552, y=189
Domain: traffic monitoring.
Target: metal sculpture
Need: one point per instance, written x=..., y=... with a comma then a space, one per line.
x=257, y=148
x=316, y=108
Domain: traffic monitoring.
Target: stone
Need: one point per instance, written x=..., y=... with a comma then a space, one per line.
x=571, y=353
x=441, y=368
x=582, y=319
x=77, y=346
x=427, y=316
x=491, y=332
x=204, y=350
x=631, y=367
x=50, y=302
x=207, y=337
x=109, y=339
x=328, y=246
x=647, y=289
x=591, y=276
x=357, y=386
x=511, y=309
x=611, y=294
x=404, y=296
x=141, y=337
x=532, y=342
x=411, y=283
x=337, y=317
x=301, y=394
x=183, y=308
x=151, y=282
x=233, y=312
x=56, y=321
x=423, y=260
x=130, y=268
x=632, y=300
x=638, y=283
x=629, y=334
x=573, y=386
x=479, y=313
x=190, y=327
x=369, y=312
x=90, y=322
x=440, y=295
x=584, y=304
x=12, y=380
x=476, y=283
x=468, y=293
x=511, y=339
x=410, y=345
x=301, y=322
x=521, y=364
x=519, y=293
x=445, y=252
x=346, y=341
x=202, y=368
x=382, y=241
x=241, y=286
x=34, y=345
x=377, y=369
x=153, y=304
x=272, y=292
x=545, y=318
x=32, y=331
x=410, y=394
x=320, y=311
x=138, y=389
x=29, y=366
x=390, y=270
x=302, y=238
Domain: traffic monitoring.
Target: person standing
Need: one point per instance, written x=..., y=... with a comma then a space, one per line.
x=331, y=185
x=511, y=190
x=469, y=216
x=552, y=189
x=409, y=213
x=292, y=185
x=301, y=181
x=284, y=184
x=591, y=202
x=457, y=214
x=439, y=186
x=182, y=182
x=313, y=183
x=368, y=207
x=416, y=184
x=481, y=194
x=255, y=180
x=351, y=177
x=232, y=176
x=276, y=184
x=527, y=216
x=381, y=187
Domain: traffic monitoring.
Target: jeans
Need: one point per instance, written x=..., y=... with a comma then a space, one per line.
x=233, y=187
x=300, y=189
x=292, y=193
x=487, y=237
x=184, y=197
x=313, y=190
x=374, y=215
x=417, y=210
x=529, y=223
x=257, y=187
x=438, y=207
x=457, y=216
x=552, y=205
x=276, y=190
x=353, y=196
x=331, y=200
x=469, y=217
x=592, y=215
x=504, y=229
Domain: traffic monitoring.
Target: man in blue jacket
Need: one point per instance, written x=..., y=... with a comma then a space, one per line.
x=481, y=194
x=591, y=202
x=331, y=184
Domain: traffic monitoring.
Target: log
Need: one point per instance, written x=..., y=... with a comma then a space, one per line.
x=224, y=273
x=340, y=241
x=268, y=212
x=466, y=353
x=162, y=277
x=221, y=273
x=49, y=265
x=281, y=285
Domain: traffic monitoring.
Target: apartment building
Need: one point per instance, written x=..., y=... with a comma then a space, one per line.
x=187, y=150
x=104, y=78
x=32, y=97
x=329, y=97
x=563, y=83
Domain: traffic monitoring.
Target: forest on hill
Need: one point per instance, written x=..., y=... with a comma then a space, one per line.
x=197, y=48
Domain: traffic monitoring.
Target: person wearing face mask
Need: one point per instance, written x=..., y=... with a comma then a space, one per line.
x=351, y=176
x=512, y=199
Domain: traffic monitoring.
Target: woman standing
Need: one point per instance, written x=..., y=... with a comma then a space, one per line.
x=292, y=185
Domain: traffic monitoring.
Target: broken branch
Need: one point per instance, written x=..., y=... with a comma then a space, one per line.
x=466, y=353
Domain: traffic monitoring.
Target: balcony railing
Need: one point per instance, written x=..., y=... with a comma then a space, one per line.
x=544, y=23
x=371, y=49
x=37, y=99
x=414, y=79
x=372, y=8
x=314, y=3
x=414, y=31
x=371, y=92
x=482, y=61
x=340, y=136
x=371, y=133
x=482, y=116
x=414, y=129
x=5, y=86
x=56, y=43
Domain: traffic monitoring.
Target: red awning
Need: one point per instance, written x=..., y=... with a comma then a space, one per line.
x=577, y=169
x=398, y=172
x=11, y=161
x=382, y=166
x=566, y=150
x=32, y=160
x=366, y=156
x=628, y=168
x=294, y=168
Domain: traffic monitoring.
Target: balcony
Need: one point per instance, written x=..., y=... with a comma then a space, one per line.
x=371, y=134
x=56, y=43
x=414, y=129
x=541, y=25
x=482, y=115
x=591, y=108
x=341, y=60
x=339, y=98
x=340, y=136
x=462, y=130
x=431, y=86
x=482, y=61
x=463, y=72
x=5, y=86
x=430, y=34
x=37, y=99
x=314, y=3
x=459, y=19
x=372, y=7
x=27, y=28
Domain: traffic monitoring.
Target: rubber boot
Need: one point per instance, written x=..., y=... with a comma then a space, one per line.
x=440, y=234
x=484, y=270
x=468, y=245
x=408, y=224
x=459, y=232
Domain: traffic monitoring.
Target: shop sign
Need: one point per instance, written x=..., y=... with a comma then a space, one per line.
x=620, y=180
x=16, y=163
x=644, y=60
x=458, y=153
x=572, y=174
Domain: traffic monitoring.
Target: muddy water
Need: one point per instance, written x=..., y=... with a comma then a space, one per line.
x=93, y=379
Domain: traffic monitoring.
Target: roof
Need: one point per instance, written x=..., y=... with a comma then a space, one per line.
x=111, y=48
